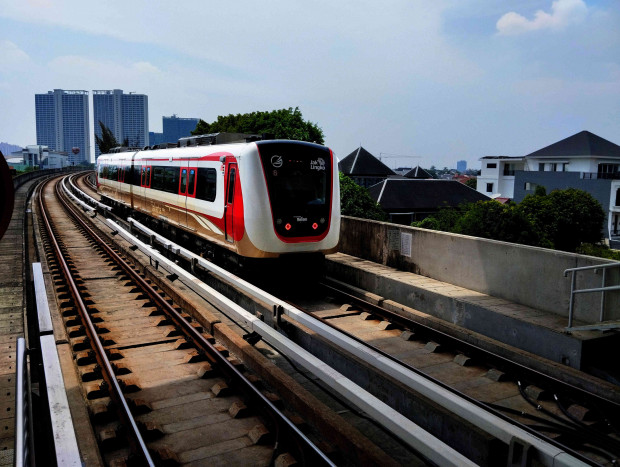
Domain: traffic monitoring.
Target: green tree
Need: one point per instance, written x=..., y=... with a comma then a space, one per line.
x=445, y=219
x=355, y=201
x=506, y=222
x=472, y=183
x=283, y=124
x=107, y=140
x=567, y=218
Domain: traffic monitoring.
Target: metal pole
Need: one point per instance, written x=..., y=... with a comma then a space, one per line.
x=602, y=297
x=572, y=299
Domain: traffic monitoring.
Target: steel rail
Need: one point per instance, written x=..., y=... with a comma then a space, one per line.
x=137, y=444
x=472, y=350
x=284, y=426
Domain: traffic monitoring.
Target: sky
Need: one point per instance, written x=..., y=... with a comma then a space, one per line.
x=412, y=81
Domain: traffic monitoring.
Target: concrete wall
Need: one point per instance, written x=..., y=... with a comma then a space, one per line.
x=526, y=275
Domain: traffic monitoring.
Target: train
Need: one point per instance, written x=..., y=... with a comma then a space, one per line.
x=258, y=199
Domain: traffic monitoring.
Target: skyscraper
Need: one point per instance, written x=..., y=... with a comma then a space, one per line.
x=126, y=115
x=63, y=123
x=461, y=166
x=175, y=127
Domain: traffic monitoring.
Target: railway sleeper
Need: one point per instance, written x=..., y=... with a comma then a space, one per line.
x=151, y=430
x=90, y=373
x=96, y=390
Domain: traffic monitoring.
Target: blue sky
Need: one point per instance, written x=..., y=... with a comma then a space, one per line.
x=441, y=81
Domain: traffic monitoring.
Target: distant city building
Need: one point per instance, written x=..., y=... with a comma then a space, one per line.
x=174, y=129
x=155, y=138
x=39, y=156
x=62, y=122
x=7, y=148
x=461, y=166
x=126, y=115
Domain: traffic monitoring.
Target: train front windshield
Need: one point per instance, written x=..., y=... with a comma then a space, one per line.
x=299, y=183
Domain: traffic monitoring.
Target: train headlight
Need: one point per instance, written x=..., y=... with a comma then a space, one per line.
x=288, y=226
x=315, y=226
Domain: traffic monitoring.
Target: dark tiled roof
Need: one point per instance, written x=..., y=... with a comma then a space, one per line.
x=361, y=162
x=418, y=172
x=412, y=194
x=583, y=143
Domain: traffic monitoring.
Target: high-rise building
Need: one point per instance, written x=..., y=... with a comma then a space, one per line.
x=63, y=123
x=461, y=166
x=175, y=127
x=126, y=115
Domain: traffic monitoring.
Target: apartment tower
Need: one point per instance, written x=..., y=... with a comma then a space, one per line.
x=62, y=121
x=126, y=115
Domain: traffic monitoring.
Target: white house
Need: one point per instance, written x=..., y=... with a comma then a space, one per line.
x=584, y=161
x=497, y=175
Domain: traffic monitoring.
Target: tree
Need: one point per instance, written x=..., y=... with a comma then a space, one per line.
x=283, y=124
x=506, y=222
x=567, y=218
x=445, y=219
x=355, y=201
x=472, y=183
x=563, y=219
x=107, y=140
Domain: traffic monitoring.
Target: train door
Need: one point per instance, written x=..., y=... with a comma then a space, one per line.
x=231, y=177
x=187, y=189
x=145, y=182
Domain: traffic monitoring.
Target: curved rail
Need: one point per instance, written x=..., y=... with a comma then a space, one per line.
x=287, y=433
x=137, y=444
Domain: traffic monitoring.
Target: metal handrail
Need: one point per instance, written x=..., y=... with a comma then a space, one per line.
x=22, y=418
x=602, y=289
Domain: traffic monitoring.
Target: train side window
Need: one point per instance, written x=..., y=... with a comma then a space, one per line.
x=171, y=179
x=183, y=183
x=206, y=184
x=191, y=184
x=158, y=178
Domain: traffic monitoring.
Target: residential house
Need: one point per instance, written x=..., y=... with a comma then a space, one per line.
x=408, y=200
x=364, y=168
x=584, y=161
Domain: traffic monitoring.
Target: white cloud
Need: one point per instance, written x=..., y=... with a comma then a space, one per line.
x=563, y=13
x=12, y=56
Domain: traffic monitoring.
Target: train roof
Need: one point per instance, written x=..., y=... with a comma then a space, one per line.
x=235, y=149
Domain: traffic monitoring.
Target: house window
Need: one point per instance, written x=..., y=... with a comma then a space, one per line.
x=489, y=188
x=541, y=167
x=608, y=171
x=492, y=166
x=618, y=197
x=565, y=167
x=509, y=169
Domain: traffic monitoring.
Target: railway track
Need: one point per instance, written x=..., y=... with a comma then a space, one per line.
x=159, y=389
x=576, y=419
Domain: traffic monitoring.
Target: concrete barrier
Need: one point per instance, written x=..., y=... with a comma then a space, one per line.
x=526, y=275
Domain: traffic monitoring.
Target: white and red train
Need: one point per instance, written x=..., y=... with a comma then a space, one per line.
x=262, y=199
